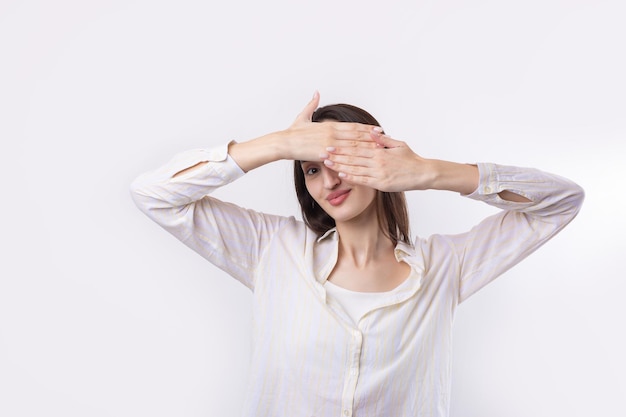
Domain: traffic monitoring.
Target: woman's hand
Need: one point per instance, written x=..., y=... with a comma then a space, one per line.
x=391, y=165
x=388, y=165
x=305, y=140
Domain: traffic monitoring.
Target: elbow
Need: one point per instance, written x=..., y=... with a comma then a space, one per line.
x=575, y=200
x=579, y=196
x=150, y=196
x=138, y=194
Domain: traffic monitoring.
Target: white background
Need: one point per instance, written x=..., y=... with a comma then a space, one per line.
x=102, y=313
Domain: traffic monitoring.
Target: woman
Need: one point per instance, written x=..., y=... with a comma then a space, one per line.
x=350, y=316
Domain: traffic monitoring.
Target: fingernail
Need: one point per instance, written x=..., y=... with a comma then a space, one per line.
x=341, y=175
x=378, y=129
x=331, y=149
x=328, y=162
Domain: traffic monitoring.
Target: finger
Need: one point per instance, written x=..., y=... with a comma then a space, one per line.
x=352, y=169
x=352, y=139
x=384, y=141
x=360, y=176
x=341, y=162
x=357, y=179
x=351, y=126
x=359, y=149
x=346, y=135
x=307, y=113
x=359, y=170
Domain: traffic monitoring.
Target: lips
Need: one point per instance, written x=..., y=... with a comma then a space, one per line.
x=337, y=197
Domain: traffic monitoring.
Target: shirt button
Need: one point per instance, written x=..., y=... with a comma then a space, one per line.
x=346, y=412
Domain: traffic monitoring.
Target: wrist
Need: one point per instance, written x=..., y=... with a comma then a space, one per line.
x=453, y=176
x=281, y=144
x=429, y=174
x=256, y=152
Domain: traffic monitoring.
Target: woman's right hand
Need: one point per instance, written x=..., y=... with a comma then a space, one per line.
x=306, y=140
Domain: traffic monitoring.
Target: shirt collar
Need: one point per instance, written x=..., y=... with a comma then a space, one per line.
x=402, y=249
x=403, y=252
x=327, y=234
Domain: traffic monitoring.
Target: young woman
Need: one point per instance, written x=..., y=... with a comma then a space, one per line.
x=351, y=316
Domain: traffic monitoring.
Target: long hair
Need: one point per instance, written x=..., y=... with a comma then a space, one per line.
x=391, y=208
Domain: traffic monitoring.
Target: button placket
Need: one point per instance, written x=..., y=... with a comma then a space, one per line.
x=352, y=374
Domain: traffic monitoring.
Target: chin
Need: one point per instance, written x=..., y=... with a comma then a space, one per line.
x=342, y=215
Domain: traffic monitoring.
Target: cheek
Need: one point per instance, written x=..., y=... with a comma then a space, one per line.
x=369, y=194
x=310, y=185
x=311, y=192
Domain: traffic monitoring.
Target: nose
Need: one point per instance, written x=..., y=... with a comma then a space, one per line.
x=331, y=178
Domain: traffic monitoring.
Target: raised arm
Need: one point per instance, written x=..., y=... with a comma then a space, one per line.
x=176, y=195
x=390, y=165
x=536, y=205
x=504, y=239
x=302, y=141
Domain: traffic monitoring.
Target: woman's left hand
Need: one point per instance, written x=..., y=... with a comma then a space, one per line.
x=390, y=165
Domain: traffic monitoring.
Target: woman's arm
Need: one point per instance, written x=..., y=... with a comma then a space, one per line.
x=500, y=241
x=302, y=141
x=391, y=165
x=177, y=198
x=536, y=205
x=176, y=195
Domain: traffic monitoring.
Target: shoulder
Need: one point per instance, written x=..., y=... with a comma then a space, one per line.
x=436, y=251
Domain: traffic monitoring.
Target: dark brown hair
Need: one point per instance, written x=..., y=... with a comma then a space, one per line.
x=391, y=207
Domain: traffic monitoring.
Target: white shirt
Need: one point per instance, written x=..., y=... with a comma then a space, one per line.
x=309, y=358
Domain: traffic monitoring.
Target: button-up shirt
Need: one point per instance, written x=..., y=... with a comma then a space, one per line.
x=309, y=358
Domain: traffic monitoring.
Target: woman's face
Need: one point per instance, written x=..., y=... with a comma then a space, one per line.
x=342, y=201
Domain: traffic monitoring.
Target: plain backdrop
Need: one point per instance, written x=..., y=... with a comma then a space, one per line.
x=102, y=313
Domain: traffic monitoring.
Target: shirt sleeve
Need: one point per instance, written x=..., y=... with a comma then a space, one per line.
x=504, y=239
x=230, y=237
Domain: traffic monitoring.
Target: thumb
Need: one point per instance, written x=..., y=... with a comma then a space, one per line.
x=307, y=113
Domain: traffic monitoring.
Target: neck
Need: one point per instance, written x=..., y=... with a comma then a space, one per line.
x=361, y=243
